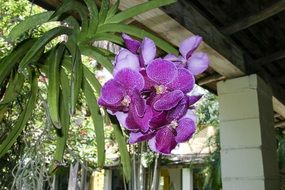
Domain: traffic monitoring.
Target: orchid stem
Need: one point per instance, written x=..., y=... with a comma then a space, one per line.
x=155, y=179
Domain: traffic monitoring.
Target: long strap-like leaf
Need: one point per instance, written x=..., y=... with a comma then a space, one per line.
x=21, y=121
x=124, y=153
x=30, y=23
x=41, y=42
x=137, y=32
x=97, y=120
x=11, y=60
x=138, y=9
x=54, y=62
x=98, y=56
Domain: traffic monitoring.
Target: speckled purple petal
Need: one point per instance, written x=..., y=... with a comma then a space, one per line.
x=139, y=137
x=194, y=99
x=148, y=83
x=126, y=59
x=158, y=120
x=161, y=71
x=131, y=44
x=147, y=51
x=112, y=108
x=189, y=45
x=198, y=63
x=130, y=79
x=112, y=92
x=136, y=124
x=168, y=100
x=165, y=140
x=139, y=103
x=178, y=111
x=184, y=81
x=185, y=130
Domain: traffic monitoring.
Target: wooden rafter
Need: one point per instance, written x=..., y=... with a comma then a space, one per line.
x=246, y=22
x=210, y=79
x=270, y=58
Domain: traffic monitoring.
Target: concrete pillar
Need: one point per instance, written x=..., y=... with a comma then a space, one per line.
x=187, y=179
x=248, y=146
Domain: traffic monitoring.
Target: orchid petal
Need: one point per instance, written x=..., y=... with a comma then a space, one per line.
x=161, y=71
x=139, y=137
x=152, y=146
x=184, y=81
x=130, y=80
x=178, y=111
x=111, y=108
x=194, y=99
x=147, y=51
x=121, y=116
x=165, y=140
x=136, y=124
x=189, y=45
x=168, y=100
x=148, y=83
x=112, y=92
x=198, y=63
x=126, y=59
x=131, y=44
x=191, y=115
x=158, y=120
x=185, y=130
x=139, y=103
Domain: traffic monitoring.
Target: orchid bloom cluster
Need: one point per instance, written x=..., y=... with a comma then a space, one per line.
x=149, y=95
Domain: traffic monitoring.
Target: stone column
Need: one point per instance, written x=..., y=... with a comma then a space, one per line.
x=187, y=179
x=248, y=145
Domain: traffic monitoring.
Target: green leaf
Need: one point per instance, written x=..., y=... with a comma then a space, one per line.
x=30, y=23
x=76, y=74
x=113, y=10
x=103, y=11
x=11, y=60
x=124, y=153
x=21, y=121
x=54, y=61
x=14, y=87
x=137, y=32
x=73, y=5
x=41, y=42
x=98, y=56
x=138, y=9
x=93, y=16
x=97, y=120
x=108, y=37
x=91, y=78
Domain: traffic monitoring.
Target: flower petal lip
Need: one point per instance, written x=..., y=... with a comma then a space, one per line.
x=178, y=111
x=113, y=108
x=184, y=81
x=147, y=51
x=112, y=92
x=130, y=80
x=194, y=99
x=126, y=59
x=139, y=137
x=161, y=71
x=131, y=44
x=189, y=45
x=168, y=100
x=138, y=124
x=198, y=63
x=165, y=140
x=185, y=130
x=139, y=103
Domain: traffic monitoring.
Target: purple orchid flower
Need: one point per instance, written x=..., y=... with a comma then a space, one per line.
x=177, y=130
x=195, y=62
x=123, y=92
x=146, y=50
x=168, y=83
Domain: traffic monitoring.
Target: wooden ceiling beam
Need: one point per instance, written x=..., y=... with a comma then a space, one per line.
x=270, y=58
x=213, y=78
x=246, y=22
